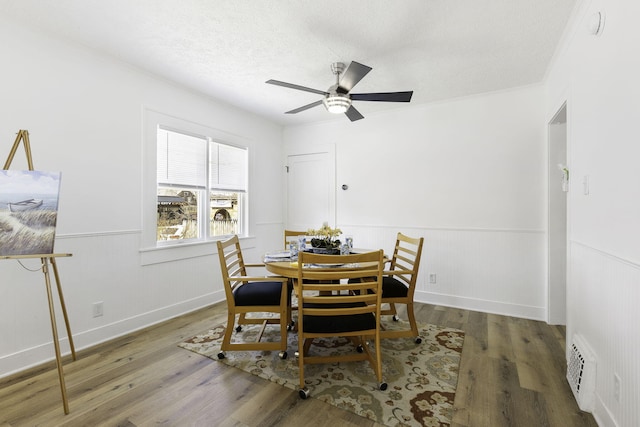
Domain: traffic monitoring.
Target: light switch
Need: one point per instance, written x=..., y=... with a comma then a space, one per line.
x=585, y=185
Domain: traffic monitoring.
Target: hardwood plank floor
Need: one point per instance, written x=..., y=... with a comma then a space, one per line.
x=511, y=374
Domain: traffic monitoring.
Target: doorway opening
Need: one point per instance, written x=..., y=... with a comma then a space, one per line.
x=558, y=182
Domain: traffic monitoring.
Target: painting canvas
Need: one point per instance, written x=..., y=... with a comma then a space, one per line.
x=28, y=212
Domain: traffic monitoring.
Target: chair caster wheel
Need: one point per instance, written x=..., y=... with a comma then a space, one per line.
x=296, y=354
x=418, y=340
x=238, y=328
x=303, y=393
x=395, y=318
x=360, y=349
x=221, y=355
x=291, y=325
x=282, y=355
x=383, y=386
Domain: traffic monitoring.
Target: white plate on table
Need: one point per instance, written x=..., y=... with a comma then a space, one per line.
x=278, y=255
x=325, y=265
x=360, y=250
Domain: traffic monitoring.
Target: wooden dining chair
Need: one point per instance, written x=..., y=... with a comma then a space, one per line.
x=289, y=234
x=335, y=300
x=268, y=296
x=399, y=284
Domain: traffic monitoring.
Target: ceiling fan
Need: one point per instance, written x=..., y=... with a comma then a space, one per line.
x=337, y=98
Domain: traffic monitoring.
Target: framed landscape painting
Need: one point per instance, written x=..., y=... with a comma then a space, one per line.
x=28, y=212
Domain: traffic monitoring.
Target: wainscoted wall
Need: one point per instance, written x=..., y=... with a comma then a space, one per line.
x=610, y=286
x=105, y=267
x=597, y=77
x=497, y=271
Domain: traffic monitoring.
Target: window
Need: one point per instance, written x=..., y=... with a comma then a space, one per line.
x=201, y=187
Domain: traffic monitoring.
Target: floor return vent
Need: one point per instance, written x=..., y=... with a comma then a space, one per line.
x=581, y=373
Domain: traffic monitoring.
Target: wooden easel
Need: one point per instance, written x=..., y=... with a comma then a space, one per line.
x=23, y=136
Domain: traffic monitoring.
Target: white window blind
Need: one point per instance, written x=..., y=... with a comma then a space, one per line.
x=181, y=159
x=227, y=167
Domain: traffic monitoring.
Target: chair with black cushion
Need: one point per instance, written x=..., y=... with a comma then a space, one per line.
x=399, y=284
x=339, y=296
x=252, y=294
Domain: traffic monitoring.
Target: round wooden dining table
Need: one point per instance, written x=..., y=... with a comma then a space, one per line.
x=289, y=269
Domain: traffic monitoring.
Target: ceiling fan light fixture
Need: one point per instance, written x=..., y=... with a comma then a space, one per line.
x=337, y=103
x=337, y=99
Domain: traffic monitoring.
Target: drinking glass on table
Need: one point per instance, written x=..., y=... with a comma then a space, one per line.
x=344, y=249
x=293, y=250
x=349, y=242
x=302, y=243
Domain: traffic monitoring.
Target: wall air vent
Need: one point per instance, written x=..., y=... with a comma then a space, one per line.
x=581, y=373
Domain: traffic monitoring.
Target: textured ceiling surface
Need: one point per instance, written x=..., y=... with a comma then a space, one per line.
x=440, y=49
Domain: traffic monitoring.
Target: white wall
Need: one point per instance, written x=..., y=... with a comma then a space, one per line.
x=84, y=113
x=598, y=77
x=468, y=175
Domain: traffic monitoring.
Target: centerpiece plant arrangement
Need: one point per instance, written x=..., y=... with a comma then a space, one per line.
x=325, y=240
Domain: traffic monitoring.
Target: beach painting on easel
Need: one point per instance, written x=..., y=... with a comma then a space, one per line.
x=28, y=212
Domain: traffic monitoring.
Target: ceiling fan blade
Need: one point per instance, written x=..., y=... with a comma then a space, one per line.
x=353, y=114
x=297, y=87
x=383, y=96
x=305, y=107
x=353, y=74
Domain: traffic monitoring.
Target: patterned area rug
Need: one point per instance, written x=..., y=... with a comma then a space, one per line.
x=421, y=378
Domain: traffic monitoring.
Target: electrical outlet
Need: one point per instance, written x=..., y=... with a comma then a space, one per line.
x=432, y=277
x=616, y=387
x=98, y=309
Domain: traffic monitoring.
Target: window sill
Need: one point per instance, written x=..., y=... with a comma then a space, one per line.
x=179, y=251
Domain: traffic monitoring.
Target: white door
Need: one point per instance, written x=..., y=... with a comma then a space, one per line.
x=310, y=190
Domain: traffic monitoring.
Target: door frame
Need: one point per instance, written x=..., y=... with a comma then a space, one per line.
x=557, y=218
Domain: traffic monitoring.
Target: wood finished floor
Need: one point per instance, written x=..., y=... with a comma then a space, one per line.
x=512, y=374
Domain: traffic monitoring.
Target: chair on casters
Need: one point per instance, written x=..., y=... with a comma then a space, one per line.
x=399, y=284
x=252, y=294
x=328, y=308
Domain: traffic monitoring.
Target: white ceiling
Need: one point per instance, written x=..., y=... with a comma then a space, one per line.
x=440, y=49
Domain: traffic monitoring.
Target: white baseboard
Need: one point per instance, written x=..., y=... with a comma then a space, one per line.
x=602, y=415
x=495, y=307
x=40, y=354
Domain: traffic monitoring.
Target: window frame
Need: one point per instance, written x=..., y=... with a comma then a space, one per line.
x=152, y=250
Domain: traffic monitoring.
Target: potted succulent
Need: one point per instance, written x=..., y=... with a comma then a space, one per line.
x=324, y=239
